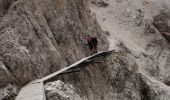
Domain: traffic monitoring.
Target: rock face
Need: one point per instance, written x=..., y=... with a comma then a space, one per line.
x=38, y=37
x=9, y=92
x=152, y=89
x=4, y=6
x=162, y=23
x=144, y=35
x=115, y=78
x=60, y=91
x=144, y=32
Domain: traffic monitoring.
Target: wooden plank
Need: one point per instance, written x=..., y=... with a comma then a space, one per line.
x=35, y=90
x=71, y=66
x=32, y=92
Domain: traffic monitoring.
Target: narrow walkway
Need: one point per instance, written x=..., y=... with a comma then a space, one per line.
x=32, y=92
x=35, y=89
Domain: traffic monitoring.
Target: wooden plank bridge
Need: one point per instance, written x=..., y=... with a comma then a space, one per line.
x=35, y=90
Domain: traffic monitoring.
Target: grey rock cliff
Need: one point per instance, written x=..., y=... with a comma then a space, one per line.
x=38, y=37
x=115, y=78
x=60, y=91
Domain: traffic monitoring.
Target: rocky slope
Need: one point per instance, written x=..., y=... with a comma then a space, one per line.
x=142, y=26
x=38, y=37
x=115, y=78
x=141, y=29
x=57, y=88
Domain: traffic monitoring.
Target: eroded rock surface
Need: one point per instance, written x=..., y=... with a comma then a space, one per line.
x=9, y=92
x=152, y=89
x=60, y=91
x=38, y=37
x=162, y=23
x=116, y=78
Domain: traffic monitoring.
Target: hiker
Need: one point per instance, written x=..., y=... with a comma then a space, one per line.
x=95, y=42
x=92, y=43
x=89, y=43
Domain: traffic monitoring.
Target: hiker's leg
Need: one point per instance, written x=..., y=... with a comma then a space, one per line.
x=96, y=48
x=93, y=49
